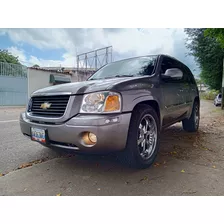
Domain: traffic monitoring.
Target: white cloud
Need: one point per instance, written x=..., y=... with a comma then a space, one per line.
x=68, y=59
x=17, y=52
x=152, y=41
x=41, y=38
x=123, y=41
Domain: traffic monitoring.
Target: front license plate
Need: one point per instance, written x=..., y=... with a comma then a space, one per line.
x=38, y=135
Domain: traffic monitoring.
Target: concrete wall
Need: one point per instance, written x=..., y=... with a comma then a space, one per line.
x=13, y=91
x=79, y=76
x=38, y=79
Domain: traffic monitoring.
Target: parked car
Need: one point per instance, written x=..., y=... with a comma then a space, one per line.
x=121, y=108
x=218, y=100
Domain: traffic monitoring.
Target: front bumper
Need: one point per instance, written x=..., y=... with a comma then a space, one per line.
x=218, y=102
x=111, y=136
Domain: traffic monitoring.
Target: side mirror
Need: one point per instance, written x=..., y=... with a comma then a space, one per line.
x=173, y=73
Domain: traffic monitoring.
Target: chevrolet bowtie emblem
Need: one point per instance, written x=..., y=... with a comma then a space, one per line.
x=45, y=105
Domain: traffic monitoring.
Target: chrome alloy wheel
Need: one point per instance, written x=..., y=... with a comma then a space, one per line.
x=147, y=136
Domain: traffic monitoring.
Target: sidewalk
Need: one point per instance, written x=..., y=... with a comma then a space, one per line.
x=97, y=176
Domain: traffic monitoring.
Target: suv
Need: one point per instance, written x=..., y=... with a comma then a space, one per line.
x=121, y=108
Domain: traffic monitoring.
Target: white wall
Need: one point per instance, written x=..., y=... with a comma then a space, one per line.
x=78, y=76
x=38, y=79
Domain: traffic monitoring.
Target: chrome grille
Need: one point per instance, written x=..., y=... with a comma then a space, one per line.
x=57, y=107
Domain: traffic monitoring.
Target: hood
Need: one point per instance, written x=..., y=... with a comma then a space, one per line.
x=88, y=86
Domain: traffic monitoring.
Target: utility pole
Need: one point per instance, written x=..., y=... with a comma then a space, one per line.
x=106, y=55
x=95, y=60
x=222, y=106
x=77, y=62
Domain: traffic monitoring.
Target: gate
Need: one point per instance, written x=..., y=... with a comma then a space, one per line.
x=13, y=85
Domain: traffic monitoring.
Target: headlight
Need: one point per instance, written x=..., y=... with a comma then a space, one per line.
x=101, y=102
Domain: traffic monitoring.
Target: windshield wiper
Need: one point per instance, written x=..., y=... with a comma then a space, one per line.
x=111, y=77
x=118, y=76
x=124, y=75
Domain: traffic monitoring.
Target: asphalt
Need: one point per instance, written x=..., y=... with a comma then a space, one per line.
x=15, y=149
x=188, y=164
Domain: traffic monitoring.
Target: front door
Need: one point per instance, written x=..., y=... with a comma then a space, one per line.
x=174, y=95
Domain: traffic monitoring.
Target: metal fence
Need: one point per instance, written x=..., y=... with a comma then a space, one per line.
x=13, y=84
x=12, y=70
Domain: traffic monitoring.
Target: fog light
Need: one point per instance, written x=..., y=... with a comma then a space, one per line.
x=92, y=137
x=89, y=138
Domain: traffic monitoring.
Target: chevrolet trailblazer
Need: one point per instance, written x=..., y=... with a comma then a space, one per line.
x=121, y=108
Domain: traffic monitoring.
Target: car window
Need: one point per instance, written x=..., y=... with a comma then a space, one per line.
x=188, y=75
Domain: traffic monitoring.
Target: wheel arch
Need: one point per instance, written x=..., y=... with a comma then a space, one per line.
x=154, y=104
x=197, y=99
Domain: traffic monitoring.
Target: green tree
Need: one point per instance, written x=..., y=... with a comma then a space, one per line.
x=36, y=66
x=11, y=65
x=217, y=33
x=7, y=57
x=208, y=54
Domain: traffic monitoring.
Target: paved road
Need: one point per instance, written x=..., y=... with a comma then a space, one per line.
x=15, y=149
x=188, y=164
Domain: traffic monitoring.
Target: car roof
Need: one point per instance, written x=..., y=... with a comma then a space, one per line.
x=142, y=56
x=150, y=55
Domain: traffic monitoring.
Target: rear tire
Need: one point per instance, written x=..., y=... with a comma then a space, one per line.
x=192, y=124
x=143, y=138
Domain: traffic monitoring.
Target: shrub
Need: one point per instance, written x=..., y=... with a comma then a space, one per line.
x=210, y=95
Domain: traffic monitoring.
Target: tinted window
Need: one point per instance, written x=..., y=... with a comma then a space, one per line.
x=189, y=75
x=168, y=63
x=130, y=67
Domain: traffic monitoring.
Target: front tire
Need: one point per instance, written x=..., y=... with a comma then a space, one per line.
x=143, y=138
x=192, y=124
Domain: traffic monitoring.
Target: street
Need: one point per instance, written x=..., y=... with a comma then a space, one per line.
x=15, y=149
x=187, y=164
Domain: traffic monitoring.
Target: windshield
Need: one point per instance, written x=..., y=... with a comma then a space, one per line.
x=130, y=67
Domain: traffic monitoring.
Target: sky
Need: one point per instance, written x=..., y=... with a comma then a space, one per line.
x=59, y=47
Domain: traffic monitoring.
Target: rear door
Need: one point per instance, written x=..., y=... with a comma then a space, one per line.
x=188, y=87
x=174, y=97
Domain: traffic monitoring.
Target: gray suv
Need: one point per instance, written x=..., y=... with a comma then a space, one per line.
x=121, y=108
